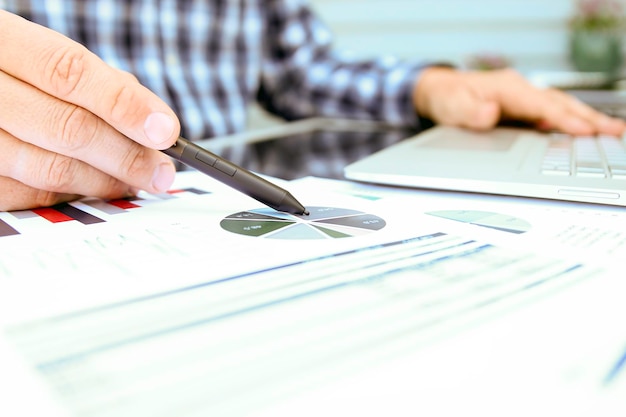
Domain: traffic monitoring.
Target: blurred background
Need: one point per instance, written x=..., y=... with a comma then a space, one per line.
x=532, y=33
x=554, y=42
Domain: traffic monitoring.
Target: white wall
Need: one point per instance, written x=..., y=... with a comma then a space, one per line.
x=531, y=33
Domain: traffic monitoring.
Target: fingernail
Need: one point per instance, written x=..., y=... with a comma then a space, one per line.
x=163, y=177
x=158, y=127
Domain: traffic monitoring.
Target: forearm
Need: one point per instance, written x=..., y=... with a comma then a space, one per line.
x=331, y=88
x=303, y=76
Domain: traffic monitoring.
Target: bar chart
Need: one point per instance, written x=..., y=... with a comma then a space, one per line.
x=88, y=211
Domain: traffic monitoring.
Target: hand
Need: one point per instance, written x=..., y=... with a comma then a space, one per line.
x=70, y=125
x=481, y=99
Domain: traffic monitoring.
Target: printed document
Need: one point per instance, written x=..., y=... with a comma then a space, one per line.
x=201, y=301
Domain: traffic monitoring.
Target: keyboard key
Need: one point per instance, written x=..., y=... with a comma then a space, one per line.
x=590, y=157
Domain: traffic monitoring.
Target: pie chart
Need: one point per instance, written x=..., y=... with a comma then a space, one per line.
x=488, y=219
x=321, y=223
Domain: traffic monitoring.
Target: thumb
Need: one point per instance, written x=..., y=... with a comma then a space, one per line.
x=479, y=114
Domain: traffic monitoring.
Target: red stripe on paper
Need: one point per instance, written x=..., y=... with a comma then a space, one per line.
x=52, y=215
x=123, y=204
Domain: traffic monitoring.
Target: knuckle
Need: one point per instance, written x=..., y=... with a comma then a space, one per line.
x=556, y=93
x=128, y=76
x=59, y=174
x=65, y=69
x=77, y=129
x=511, y=72
x=18, y=196
x=135, y=162
x=45, y=198
x=123, y=106
x=507, y=74
x=515, y=76
x=111, y=187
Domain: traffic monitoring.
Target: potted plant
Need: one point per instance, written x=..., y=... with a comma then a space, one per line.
x=596, y=31
x=487, y=61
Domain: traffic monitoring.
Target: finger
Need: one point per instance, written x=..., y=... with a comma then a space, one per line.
x=548, y=108
x=563, y=113
x=573, y=108
x=559, y=113
x=51, y=172
x=469, y=109
x=67, y=70
x=452, y=98
x=18, y=196
x=66, y=129
x=517, y=98
x=479, y=114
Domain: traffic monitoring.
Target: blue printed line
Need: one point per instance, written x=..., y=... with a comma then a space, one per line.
x=617, y=368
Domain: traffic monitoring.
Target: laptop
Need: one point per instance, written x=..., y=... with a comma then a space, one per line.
x=511, y=161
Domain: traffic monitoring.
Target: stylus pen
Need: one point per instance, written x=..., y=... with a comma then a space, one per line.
x=234, y=176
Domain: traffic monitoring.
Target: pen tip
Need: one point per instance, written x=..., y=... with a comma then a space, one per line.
x=306, y=212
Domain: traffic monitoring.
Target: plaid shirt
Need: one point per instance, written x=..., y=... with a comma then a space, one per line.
x=209, y=59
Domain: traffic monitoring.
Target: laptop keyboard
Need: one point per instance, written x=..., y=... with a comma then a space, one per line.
x=585, y=156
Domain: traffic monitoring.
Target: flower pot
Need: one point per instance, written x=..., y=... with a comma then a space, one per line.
x=596, y=50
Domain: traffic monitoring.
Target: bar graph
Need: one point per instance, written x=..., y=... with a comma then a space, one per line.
x=6, y=229
x=65, y=212
x=73, y=213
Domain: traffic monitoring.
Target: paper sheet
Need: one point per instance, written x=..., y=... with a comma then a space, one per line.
x=595, y=233
x=202, y=302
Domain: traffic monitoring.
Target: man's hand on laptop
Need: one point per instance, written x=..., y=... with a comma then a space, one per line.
x=482, y=99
